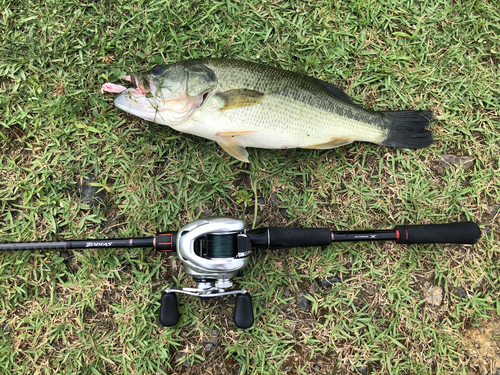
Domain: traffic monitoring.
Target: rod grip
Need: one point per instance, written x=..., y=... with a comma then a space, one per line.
x=285, y=238
x=462, y=233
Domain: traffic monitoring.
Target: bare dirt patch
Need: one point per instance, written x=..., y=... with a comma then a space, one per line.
x=482, y=347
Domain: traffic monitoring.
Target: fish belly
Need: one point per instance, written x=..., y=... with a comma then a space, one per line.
x=279, y=123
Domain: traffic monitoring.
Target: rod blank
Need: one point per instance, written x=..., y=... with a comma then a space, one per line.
x=280, y=238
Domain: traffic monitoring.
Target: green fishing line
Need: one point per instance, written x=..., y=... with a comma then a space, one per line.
x=222, y=246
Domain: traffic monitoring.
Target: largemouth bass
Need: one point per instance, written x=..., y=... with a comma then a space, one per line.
x=241, y=104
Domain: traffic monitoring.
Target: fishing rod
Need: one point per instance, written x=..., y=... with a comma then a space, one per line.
x=213, y=250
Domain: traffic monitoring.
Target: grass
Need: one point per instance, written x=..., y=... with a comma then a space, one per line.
x=95, y=312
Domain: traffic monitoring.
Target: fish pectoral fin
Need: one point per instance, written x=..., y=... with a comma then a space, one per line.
x=239, y=98
x=335, y=142
x=236, y=151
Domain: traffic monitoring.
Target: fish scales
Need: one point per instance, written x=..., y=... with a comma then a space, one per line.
x=290, y=105
x=241, y=104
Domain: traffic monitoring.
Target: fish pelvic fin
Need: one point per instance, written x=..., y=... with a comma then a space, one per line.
x=239, y=98
x=407, y=129
x=236, y=151
x=335, y=142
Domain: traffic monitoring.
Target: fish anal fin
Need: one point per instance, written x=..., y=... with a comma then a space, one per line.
x=335, y=142
x=236, y=151
x=239, y=98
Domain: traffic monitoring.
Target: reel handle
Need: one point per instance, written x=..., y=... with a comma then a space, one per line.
x=243, y=311
x=169, y=310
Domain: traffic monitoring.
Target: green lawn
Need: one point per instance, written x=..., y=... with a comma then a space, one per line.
x=95, y=311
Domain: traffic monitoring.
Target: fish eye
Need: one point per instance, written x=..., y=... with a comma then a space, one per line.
x=157, y=70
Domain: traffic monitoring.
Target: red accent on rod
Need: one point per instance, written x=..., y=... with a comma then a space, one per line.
x=397, y=234
x=169, y=239
x=166, y=245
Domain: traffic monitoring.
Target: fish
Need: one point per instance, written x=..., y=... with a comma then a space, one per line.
x=241, y=104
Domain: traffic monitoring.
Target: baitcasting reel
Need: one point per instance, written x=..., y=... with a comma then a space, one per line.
x=213, y=250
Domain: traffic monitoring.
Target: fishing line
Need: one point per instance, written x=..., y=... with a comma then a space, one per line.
x=222, y=245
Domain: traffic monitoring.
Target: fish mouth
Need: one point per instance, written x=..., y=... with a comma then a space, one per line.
x=144, y=87
x=141, y=85
x=144, y=100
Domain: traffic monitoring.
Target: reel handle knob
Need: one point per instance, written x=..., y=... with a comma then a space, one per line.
x=169, y=311
x=243, y=311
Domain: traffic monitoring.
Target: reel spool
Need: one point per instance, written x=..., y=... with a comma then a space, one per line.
x=212, y=251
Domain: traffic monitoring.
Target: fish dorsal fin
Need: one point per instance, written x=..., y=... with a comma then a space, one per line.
x=239, y=98
x=335, y=142
x=236, y=151
x=332, y=89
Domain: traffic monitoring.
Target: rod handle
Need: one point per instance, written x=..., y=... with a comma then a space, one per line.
x=285, y=238
x=462, y=233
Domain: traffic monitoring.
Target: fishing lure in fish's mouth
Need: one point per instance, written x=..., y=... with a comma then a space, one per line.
x=241, y=104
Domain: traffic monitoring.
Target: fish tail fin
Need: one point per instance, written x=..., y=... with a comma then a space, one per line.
x=407, y=129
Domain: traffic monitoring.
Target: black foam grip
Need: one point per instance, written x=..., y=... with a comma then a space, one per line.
x=243, y=311
x=462, y=233
x=169, y=311
x=284, y=238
